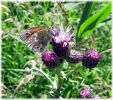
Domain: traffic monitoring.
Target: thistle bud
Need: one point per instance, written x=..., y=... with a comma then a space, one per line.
x=50, y=59
x=90, y=58
x=74, y=56
x=85, y=92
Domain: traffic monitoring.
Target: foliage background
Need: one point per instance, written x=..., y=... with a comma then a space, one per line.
x=17, y=16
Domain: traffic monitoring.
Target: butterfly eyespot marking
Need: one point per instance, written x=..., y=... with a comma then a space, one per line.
x=36, y=38
x=27, y=34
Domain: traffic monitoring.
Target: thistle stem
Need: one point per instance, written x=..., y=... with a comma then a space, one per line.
x=64, y=12
x=39, y=70
x=59, y=82
x=93, y=41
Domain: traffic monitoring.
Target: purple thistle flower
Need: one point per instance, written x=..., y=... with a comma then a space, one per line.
x=61, y=41
x=75, y=56
x=50, y=59
x=85, y=92
x=90, y=58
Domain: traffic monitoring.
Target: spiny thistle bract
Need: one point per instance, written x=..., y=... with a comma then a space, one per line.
x=61, y=42
x=90, y=58
x=50, y=59
x=74, y=56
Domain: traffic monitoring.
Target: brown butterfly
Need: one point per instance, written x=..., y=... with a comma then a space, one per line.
x=36, y=38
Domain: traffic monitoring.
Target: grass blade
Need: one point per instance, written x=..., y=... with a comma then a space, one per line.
x=90, y=24
x=87, y=12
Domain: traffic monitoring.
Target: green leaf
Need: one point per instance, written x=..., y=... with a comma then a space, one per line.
x=90, y=24
x=87, y=12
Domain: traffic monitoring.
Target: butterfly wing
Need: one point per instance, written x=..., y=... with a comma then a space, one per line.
x=36, y=38
x=39, y=41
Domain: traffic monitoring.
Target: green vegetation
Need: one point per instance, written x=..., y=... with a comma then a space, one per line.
x=17, y=16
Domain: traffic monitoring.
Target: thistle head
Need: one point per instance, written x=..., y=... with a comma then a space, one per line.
x=90, y=58
x=61, y=41
x=50, y=59
x=85, y=92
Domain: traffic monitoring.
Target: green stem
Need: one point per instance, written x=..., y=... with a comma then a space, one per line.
x=64, y=13
x=59, y=82
x=39, y=70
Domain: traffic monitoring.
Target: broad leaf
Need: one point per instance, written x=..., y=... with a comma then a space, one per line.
x=87, y=12
x=90, y=24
